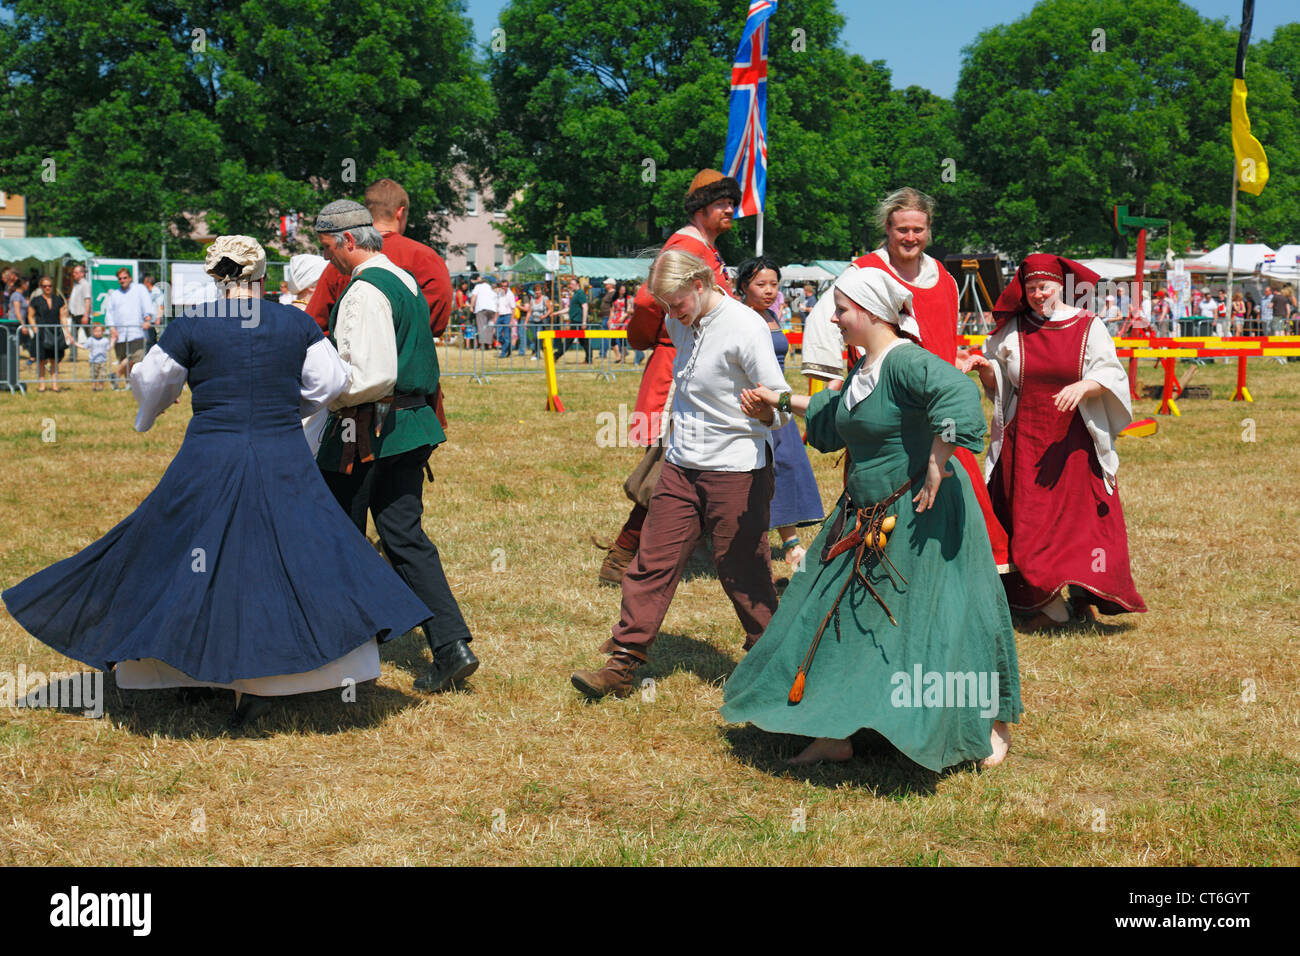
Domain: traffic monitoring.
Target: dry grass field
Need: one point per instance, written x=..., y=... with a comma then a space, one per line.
x=1170, y=738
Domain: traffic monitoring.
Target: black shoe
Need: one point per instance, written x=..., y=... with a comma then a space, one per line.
x=195, y=695
x=250, y=708
x=451, y=663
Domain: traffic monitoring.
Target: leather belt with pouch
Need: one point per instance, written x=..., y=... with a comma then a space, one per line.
x=369, y=420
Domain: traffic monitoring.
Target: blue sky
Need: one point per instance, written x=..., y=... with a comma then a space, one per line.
x=931, y=56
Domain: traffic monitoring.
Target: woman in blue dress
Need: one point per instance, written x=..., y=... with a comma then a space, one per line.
x=239, y=570
x=796, y=500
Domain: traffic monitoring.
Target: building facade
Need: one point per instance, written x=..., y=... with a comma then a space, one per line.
x=473, y=242
x=13, y=217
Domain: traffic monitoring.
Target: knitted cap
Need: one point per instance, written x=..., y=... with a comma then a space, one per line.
x=342, y=215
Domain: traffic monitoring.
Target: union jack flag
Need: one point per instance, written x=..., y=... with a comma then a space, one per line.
x=746, y=156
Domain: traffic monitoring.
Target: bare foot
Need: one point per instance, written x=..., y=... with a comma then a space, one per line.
x=823, y=748
x=794, y=557
x=1001, y=740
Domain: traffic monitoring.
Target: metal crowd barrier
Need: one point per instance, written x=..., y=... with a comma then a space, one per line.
x=23, y=353
x=534, y=347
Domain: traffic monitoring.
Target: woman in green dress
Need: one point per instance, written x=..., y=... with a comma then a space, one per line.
x=898, y=621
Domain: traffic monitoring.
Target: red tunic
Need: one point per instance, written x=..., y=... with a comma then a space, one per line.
x=935, y=311
x=1047, y=486
x=645, y=330
x=430, y=274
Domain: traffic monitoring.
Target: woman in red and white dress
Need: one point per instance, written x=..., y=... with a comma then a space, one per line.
x=1060, y=399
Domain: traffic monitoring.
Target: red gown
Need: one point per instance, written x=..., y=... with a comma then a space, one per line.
x=935, y=311
x=1047, y=486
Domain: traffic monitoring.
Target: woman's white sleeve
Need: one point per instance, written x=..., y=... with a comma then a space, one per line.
x=1107, y=414
x=1102, y=365
x=156, y=383
x=822, y=354
x=324, y=377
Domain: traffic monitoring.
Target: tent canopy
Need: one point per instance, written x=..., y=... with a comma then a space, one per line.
x=535, y=264
x=1244, y=258
x=48, y=249
x=833, y=266
x=799, y=273
x=1112, y=270
x=1286, y=264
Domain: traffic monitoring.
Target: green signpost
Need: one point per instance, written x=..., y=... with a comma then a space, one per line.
x=103, y=280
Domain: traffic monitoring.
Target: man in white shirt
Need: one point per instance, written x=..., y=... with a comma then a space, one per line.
x=483, y=301
x=375, y=452
x=717, y=474
x=79, y=302
x=127, y=312
x=505, y=311
x=157, y=305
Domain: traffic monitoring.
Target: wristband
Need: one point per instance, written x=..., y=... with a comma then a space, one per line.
x=783, y=402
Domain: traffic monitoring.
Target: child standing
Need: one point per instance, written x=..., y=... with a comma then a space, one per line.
x=97, y=346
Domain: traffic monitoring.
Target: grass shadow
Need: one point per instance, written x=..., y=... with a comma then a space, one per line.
x=677, y=652
x=409, y=652
x=876, y=766
x=164, y=713
x=1098, y=628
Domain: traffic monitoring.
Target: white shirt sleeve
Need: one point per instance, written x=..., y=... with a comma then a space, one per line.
x=822, y=355
x=758, y=359
x=324, y=377
x=156, y=383
x=367, y=344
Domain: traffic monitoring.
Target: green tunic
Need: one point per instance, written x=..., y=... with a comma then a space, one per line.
x=417, y=373
x=933, y=684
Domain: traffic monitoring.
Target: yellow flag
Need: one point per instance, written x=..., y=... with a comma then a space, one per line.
x=1252, y=164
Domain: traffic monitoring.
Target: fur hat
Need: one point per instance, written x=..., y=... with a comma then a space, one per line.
x=708, y=187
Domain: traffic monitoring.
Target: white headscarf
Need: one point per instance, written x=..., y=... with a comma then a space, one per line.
x=245, y=251
x=304, y=272
x=880, y=294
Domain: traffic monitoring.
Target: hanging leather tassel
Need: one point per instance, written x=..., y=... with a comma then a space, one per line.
x=796, y=691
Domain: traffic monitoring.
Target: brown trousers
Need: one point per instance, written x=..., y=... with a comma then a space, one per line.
x=730, y=506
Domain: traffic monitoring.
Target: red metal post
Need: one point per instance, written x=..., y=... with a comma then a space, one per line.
x=1167, y=406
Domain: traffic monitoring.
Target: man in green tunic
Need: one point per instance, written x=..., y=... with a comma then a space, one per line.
x=376, y=443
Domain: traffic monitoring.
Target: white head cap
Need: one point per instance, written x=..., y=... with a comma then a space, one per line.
x=304, y=271
x=880, y=294
x=233, y=259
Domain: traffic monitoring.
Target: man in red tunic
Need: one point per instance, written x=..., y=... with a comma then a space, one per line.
x=710, y=204
x=388, y=203
x=904, y=217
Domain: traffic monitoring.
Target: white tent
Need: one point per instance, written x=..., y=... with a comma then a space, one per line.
x=1114, y=269
x=798, y=273
x=1244, y=259
x=1286, y=264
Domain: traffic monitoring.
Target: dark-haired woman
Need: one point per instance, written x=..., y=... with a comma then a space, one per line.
x=52, y=332
x=796, y=500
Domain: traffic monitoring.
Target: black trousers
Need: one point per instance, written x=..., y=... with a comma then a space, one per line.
x=392, y=489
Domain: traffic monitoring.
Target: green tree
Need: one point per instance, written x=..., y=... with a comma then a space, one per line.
x=606, y=111
x=125, y=116
x=1058, y=122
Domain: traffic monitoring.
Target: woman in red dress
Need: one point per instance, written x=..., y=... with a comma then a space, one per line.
x=1060, y=399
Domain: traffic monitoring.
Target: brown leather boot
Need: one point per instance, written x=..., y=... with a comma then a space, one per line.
x=616, y=562
x=614, y=678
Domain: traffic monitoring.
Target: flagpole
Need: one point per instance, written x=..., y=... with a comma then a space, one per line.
x=758, y=244
x=1232, y=245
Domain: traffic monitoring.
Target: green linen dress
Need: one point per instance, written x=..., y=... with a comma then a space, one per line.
x=933, y=684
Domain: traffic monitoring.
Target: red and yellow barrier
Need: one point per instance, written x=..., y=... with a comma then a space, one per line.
x=553, y=403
